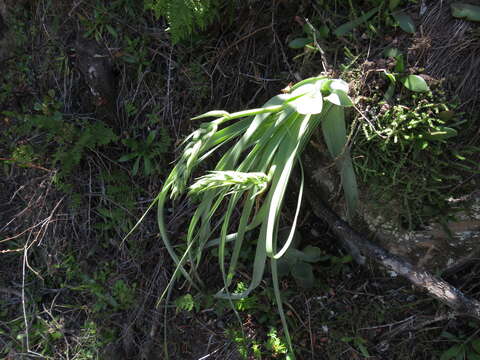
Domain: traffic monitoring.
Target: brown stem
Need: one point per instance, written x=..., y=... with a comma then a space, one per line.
x=28, y=164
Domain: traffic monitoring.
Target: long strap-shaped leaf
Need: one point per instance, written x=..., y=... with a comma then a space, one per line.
x=163, y=230
x=335, y=135
x=287, y=156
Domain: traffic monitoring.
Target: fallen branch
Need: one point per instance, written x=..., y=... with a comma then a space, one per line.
x=360, y=247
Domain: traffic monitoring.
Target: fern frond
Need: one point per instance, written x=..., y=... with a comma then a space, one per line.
x=185, y=16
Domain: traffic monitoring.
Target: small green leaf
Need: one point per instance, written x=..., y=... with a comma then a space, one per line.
x=399, y=64
x=391, y=52
x=293, y=255
x=311, y=254
x=390, y=92
x=185, y=302
x=151, y=137
x=56, y=335
x=363, y=350
x=303, y=274
x=283, y=266
x=339, y=98
x=442, y=133
x=309, y=29
x=105, y=212
x=213, y=113
x=147, y=166
x=390, y=77
x=473, y=355
x=465, y=11
x=299, y=43
x=130, y=59
x=449, y=336
x=128, y=157
x=446, y=115
x=392, y=5
x=323, y=31
x=415, y=83
x=453, y=352
x=136, y=166
x=112, y=31
x=349, y=26
x=309, y=99
x=405, y=21
x=337, y=84
x=476, y=345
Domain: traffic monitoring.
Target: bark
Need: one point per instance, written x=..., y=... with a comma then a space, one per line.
x=360, y=248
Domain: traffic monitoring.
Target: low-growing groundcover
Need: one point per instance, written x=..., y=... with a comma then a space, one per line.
x=418, y=141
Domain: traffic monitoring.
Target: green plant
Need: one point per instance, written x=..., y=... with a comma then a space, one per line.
x=185, y=16
x=413, y=83
x=136, y=52
x=465, y=11
x=246, y=347
x=146, y=151
x=108, y=296
x=112, y=219
x=309, y=40
x=187, y=303
x=43, y=335
x=391, y=15
x=247, y=302
x=99, y=23
x=255, y=169
x=60, y=142
x=275, y=344
x=298, y=263
x=101, y=19
x=466, y=347
x=23, y=155
x=410, y=139
x=116, y=205
x=359, y=343
x=90, y=340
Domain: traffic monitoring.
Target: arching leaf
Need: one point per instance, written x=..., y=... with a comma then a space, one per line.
x=415, y=83
x=405, y=21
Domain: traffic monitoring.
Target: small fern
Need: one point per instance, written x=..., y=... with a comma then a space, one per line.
x=186, y=303
x=92, y=136
x=64, y=141
x=185, y=16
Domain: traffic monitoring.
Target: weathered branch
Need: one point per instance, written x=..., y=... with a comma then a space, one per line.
x=358, y=245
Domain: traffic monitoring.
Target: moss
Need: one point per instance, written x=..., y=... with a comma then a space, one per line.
x=412, y=153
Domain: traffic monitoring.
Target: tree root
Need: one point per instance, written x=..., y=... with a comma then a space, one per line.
x=360, y=248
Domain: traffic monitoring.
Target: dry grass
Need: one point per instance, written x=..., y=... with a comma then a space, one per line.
x=450, y=48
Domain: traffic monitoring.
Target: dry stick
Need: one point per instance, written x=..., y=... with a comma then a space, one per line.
x=433, y=285
x=28, y=164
